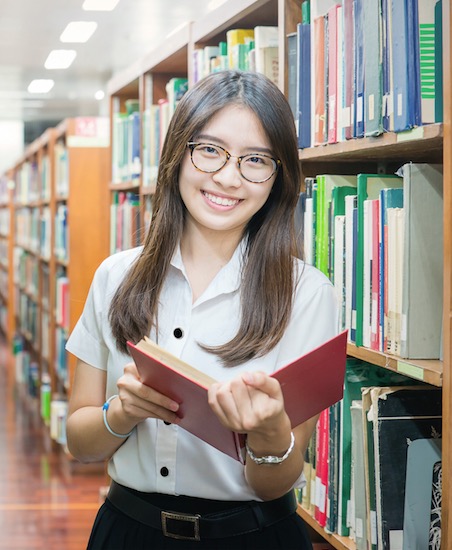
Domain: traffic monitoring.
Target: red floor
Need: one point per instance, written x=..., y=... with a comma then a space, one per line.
x=46, y=501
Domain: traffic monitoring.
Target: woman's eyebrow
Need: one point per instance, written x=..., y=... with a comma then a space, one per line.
x=213, y=139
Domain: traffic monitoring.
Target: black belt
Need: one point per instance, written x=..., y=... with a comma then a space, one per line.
x=252, y=516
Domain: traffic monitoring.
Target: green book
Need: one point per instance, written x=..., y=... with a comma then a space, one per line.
x=325, y=185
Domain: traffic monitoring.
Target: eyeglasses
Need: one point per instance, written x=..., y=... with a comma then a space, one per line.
x=254, y=167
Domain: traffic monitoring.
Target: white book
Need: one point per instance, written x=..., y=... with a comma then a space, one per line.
x=422, y=306
x=308, y=231
x=367, y=272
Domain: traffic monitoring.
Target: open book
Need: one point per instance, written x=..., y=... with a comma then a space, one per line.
x=309, y=384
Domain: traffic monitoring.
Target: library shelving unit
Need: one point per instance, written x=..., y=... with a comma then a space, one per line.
x=145, y=81
x=6, y=257
x=80, y=242
x=58, y=234
x=30, y=239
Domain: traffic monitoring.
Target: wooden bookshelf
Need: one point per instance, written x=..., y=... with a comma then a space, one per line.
x=6, y=256
x=37, y=197
x=341, y=543
x=86, y=142
x=432, y=143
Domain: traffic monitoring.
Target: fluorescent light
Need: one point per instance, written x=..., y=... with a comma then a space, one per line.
x=100, y=94
x=40, y=86
x=78, y=31
x=60, y=59
x=99, y=5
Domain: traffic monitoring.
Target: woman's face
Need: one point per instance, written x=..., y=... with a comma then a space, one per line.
x=225, y=201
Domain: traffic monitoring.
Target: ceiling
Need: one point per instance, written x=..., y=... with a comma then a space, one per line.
x=30, y=29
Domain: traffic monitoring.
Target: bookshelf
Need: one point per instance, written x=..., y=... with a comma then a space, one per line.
x=80, y=200
x=6, y=256
x=432, y=143
x=60, y=182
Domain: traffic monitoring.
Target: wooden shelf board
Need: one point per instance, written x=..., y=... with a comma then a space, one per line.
x=429, y=371
x=233, y=14
x=341, y=543
x=125, y=186
x=422, y=144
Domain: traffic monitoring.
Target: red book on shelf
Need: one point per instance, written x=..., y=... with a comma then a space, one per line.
x=322, y=468
x=309, y=384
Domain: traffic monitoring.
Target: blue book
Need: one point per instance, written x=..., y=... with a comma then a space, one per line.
x=405, y=68
x=304, y=85
x=134, y=153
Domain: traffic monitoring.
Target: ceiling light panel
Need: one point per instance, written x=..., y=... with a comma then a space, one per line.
x=40, y=86
x=78, y=31
x=99, y=5
x=60, y=59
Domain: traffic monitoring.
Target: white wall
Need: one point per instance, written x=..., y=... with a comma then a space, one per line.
x=11, y=143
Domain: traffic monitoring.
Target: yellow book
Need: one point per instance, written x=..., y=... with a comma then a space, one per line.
x=234, y=37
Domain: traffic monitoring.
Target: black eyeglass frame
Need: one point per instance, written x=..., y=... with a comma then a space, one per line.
x=193, y=144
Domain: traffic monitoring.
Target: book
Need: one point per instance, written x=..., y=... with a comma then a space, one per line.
x=235, y=38
x=358, y=375
x=333, y=54
x=325, y=185
x=292, y=73
x=400, y=416
x=372, y=59
x=318, y=81
x=348, y=68
x=422, y=261
x=359, y=96
x=303, y=99
x=396, y=225
x=266, y=42
x=368, y=187
x=405, y=50
x=389, y=198
x=358, y=485
x=309, y=384
x=321, y=480
x=434, y=539
x=422, y=456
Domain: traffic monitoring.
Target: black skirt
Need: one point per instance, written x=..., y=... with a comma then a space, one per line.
x=114, y=530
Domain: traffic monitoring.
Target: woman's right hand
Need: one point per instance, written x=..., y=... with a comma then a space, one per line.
x=139, y=401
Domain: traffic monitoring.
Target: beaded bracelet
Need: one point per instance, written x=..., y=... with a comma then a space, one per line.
x=271, y=459
x=107, y=425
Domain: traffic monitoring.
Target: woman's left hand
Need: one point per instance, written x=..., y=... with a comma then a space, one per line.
x=250, y=402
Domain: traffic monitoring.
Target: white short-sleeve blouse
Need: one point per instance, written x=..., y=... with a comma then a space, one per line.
x=165, y=458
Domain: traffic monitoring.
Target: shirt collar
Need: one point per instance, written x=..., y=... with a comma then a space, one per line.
x=227, y=280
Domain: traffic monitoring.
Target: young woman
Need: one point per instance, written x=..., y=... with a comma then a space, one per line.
x=218, y=284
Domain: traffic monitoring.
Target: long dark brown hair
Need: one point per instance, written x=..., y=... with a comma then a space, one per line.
x=268, y=270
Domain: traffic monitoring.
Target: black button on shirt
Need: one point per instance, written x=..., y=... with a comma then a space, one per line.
x=178, y=333
x=164, y=471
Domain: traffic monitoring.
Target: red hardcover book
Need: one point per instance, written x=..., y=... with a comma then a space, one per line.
x=309, y=384
x=322, y=468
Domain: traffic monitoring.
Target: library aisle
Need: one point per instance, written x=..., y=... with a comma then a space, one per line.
x=45, y=503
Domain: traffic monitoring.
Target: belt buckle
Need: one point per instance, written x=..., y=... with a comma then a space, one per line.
x=187, y=523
